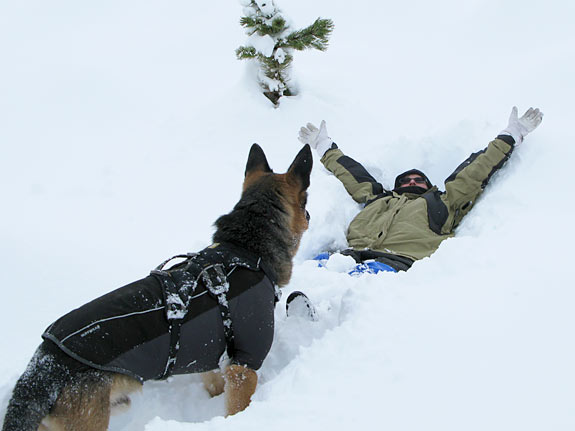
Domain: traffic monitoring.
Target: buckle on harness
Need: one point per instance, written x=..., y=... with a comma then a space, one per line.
x=215, y=279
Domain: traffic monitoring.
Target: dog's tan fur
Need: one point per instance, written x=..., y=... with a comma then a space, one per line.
x=88, y=404
x=295, y=203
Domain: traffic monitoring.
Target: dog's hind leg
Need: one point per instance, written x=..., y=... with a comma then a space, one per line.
x=122, y=387
x=241, y=384
x=213, y=382
x=84, y=404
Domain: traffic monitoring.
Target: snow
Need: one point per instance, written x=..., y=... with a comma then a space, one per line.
x=263, y=44
x=280, y=55
x=339, y=263
x=124, y=136
x=267, y=7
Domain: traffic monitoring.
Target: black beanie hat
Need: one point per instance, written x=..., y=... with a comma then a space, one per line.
x=412, y=172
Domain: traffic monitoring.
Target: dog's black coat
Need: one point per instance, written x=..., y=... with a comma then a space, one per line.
x=128, y=330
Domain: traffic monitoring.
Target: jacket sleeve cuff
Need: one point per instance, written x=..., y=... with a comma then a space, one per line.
x=324, y=146
x=507, y=139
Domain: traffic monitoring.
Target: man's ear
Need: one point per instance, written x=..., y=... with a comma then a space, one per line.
x=300, y=169
x=257, y=161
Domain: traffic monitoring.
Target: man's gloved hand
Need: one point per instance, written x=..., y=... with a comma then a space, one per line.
x=316, y=138
x=518, y=128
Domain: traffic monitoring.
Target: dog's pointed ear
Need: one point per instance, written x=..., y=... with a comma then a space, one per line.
x=257, y=161
x=300, y=169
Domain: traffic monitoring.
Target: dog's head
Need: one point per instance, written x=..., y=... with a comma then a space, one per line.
x=270, y=217
x=290, y=188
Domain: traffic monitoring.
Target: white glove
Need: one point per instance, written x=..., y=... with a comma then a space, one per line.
x=518, y=128
x=316, y=138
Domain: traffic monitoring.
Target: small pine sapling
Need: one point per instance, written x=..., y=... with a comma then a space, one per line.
x=271, y=42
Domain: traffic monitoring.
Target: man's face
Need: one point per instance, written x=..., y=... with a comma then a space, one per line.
x=413, y=180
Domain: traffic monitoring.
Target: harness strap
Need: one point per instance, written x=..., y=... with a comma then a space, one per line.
x=186, y=256
x=178, y=287
x=179, y=283
x=174, y=315
x=216, y=282
x=175, y=330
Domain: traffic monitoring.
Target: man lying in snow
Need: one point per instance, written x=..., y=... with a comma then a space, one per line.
x=397, y=227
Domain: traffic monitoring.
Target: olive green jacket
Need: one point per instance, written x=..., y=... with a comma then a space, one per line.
x=412, y=225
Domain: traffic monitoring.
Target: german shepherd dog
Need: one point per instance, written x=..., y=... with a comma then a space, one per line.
x=60, y=391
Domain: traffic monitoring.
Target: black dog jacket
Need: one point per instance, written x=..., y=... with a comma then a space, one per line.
x=177, y=321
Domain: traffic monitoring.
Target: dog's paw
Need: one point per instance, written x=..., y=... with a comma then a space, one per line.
x=213, y=382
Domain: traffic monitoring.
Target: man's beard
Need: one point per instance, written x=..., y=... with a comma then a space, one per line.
x=410, y=189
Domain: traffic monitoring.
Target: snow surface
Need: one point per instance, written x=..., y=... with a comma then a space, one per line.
x=125, y=127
